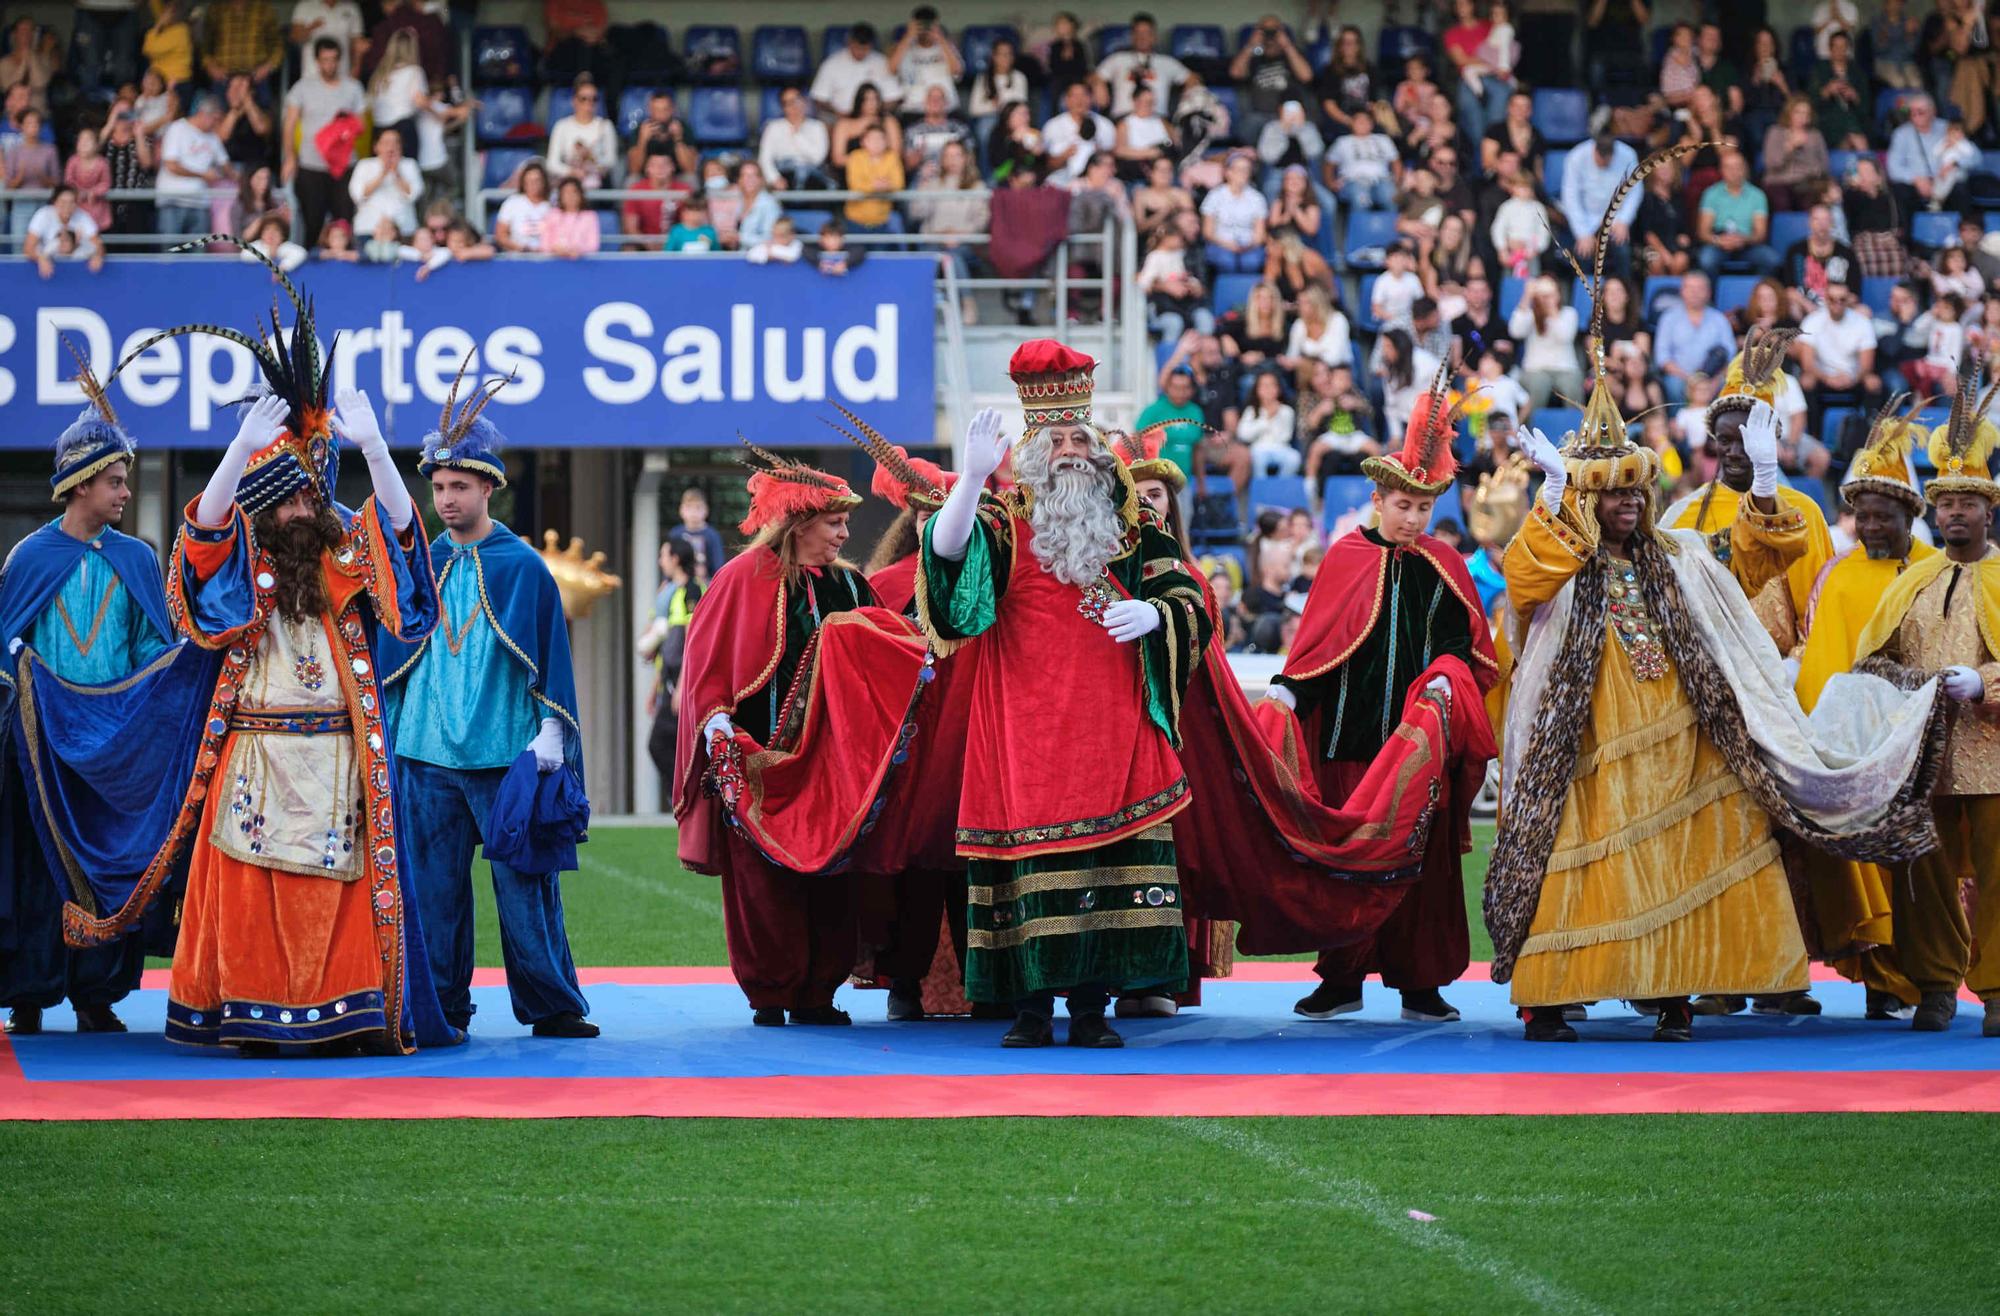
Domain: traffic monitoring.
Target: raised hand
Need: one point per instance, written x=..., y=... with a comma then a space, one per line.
x=1760, y=445
x=1548, y=458
x=262, y=423
x=354, y=420
x=985, y=448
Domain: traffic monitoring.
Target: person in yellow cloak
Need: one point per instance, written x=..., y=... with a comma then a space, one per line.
x=1941, y=618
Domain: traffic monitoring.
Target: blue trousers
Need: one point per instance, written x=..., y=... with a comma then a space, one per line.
x=445, y=811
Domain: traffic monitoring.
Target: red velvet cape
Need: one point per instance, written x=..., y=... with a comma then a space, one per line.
x=1348, y=595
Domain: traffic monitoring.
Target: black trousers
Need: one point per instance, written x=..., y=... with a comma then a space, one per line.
x=321, y=197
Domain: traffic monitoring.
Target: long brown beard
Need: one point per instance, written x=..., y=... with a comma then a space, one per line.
x=295, y=550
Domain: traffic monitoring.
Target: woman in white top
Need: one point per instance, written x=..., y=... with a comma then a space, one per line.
x=519, y=227
x=1143, y=137
x=1320, y=334
x=397, y=88
x=1232, y=220
x=1000, y=85
x=583, y=146
x=1546, y=330
x=1268, y=426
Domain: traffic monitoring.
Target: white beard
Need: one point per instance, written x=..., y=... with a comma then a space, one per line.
x=1075, y=524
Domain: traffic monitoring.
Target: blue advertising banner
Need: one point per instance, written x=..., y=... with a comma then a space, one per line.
x=617, y=352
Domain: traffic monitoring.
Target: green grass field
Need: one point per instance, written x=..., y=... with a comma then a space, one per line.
x=1760, y=1213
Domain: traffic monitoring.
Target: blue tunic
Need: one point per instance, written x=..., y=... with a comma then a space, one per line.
x=93, y=631
x=464, y=705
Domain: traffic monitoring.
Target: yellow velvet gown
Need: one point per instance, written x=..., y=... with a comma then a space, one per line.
x=1850, y=900
x=1664, y=879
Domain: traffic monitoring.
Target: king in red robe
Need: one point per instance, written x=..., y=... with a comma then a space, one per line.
x=1389, y=601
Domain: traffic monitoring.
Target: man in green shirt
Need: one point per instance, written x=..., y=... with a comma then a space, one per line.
x=1181, y=415
x=1734, y=223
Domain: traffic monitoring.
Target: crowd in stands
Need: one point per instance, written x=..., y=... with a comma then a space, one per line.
x=1324, y=216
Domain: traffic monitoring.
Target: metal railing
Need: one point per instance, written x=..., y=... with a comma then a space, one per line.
x=149, y=196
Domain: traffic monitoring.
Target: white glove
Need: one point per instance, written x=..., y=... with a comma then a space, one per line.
x=1555, y=476
x=548, y=746
x=354, y=420
x=264, y=421
x=1964, y=685
x=951, y=529
x=985, y=449
x=1128, y=619
x=1760, y=444
x=719, y=725
x=1282, y=694
x=1440, y=684
x=1791, y=670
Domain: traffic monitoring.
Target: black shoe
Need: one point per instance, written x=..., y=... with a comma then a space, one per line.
x=1031, y=1030
x=1545, y=1023
x=25, y=1021
x=1884, y=1006
x=1676, y=1021
x=338, y=1048
x=1330, y=1000
x=991, y=1011
x=906, y=1001
x=768, y=1016
x=565, y=1024
x=1090, y=1030
x=822, y=1016
x=257, y=1050
x=98, y=1019
x=462, y=1022
x=1427, y=1007
x=1934, y=1012
x=1785, y=1003
x=1716, y=1003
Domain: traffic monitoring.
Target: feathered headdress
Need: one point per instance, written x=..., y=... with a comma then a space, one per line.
x=467, y=442
x=782, y=489
x=1054, y=383
x=1140, y=451
x=1883, y=464
x=900, y=479
x=1426, y=462
x=304, y=453
x=1754, y=376
x=1963, y=450
x=94, y=440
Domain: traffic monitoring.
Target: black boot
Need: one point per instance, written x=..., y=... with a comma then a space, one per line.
x=769, y=1016
x=822, y=1016
x=1884, y=1006
x=98, y=1019
x=1428, y=1007
x=906, y=1001
x=1784, y=1003
x=1935, y=1012
x=1545, y=1023
x=1029, y=1029
x=566, y=1024
x=257, y=1050
x=25, y=1021
x=1330, y=1000
x=1090, y=1030
x=1676, y=1021
x=1719, y=1003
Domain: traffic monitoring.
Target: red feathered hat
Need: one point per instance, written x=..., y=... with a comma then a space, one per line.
x=1426, y=463
x=781, y=490
x=899, y=478
x=1054, y=383
x=1141, y=454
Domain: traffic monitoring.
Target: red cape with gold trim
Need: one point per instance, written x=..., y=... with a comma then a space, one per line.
x=1348, y=594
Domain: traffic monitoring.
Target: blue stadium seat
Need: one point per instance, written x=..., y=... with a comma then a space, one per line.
x=1934, y=228
x=770, y=104
x=808, y=222
x=780, y=53
x=1993, y=221
x=832, y=39
x=1733, y=290
x=1660, y=290
x=1206, y=537
x=1343, y=494
x=1319, y=51
x=1397, y=44
x=1835, y=417
x=1447, y=507
x=1842, y=162
x=1989, y=162
x=1282, y=491
x=608, y=228
x=1112, y=38
x=1787, y=227
x=708, y=43
x=504, y=115
x=1552, y=172
x=1511, y=289
x=1193, y=42
x=1364, y=307
x=1230, y=101
x=1232, y=291
x=502, y=56
x=1562, y=115
x=1368, y=228
x=715, y=116
x=1229, y=557
x=651, y=56
x=1662, y=41
x=1804, y=55
x=976, y=42
x=561, y=101
x=1875, y=293
x=632, y=109
x=1890, y=103
x=501, y=164
x=1557, y=421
